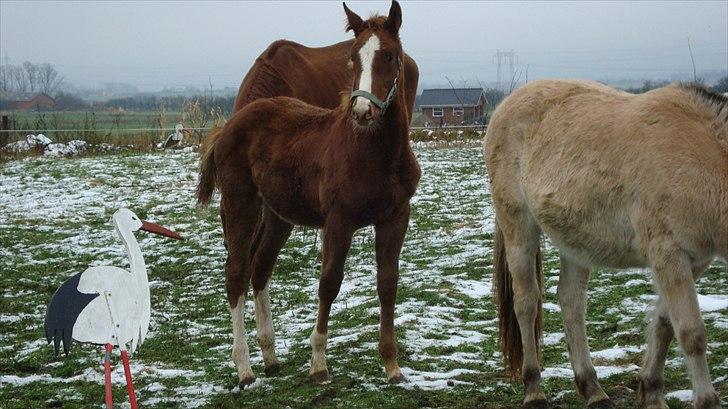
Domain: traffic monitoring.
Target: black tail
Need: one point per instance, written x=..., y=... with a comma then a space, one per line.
x=65, y=307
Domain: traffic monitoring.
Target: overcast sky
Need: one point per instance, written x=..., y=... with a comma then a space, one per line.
x=153, y=44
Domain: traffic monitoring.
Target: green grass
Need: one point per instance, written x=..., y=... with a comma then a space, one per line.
x=54, y=222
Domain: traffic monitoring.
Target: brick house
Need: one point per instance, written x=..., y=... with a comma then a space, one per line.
x=452, y=106
x=26, y=101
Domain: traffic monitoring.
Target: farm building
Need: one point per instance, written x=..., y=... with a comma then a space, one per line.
x=452, y=106
x=26, y=101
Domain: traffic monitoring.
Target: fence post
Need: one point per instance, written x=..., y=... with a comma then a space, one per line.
x=4, y=136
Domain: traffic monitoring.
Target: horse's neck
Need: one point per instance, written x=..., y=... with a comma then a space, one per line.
x=391, y=138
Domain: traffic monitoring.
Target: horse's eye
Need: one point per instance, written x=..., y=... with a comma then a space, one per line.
x=389, y=56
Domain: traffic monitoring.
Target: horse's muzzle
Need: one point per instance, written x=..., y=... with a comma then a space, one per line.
x=362, y=114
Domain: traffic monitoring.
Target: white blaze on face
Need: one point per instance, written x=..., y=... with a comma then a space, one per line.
x=366, y=56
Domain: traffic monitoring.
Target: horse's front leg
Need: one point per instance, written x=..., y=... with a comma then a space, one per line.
x=572, y=290
x=388, y=244
x=337, y=236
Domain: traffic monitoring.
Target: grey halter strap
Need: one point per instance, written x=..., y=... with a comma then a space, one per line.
x=382, y=105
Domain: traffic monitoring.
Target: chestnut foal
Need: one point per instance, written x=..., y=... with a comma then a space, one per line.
x=280, y=162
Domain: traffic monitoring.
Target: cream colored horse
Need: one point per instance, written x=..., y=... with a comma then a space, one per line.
x=615, y=180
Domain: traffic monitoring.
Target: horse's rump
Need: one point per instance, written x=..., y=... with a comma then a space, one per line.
x=592, y=165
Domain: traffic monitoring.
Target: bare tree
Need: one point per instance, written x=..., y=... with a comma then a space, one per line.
x=48, y=79
x=454, y=92
x=18, y=80
x=4, y=78
x=31, y=74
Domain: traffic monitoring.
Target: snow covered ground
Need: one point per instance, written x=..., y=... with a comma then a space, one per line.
x=54, y=222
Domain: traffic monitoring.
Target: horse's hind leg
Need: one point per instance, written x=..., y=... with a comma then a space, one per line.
x=674, y=282
x=271, y=236
x=659, y=336
x=521, y=236
x=240, y=212
x=573, y=283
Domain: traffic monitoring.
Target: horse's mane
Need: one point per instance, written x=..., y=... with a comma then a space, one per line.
x=715, y=102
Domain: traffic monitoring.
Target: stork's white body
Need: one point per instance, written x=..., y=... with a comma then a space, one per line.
x=106, y=304
x=120, y=315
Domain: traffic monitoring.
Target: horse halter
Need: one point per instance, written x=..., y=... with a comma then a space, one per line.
x=382, y=105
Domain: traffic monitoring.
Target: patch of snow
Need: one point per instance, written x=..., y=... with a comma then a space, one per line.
x=553, y=338
x=684, y=395
x=712, y=302
x=73, y=147
x=39, y=141
x=432, y=380
x=615, y=353
x=602, y=371
x=474, y=289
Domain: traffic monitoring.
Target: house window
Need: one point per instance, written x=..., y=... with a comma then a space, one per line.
x=457, y=111
x=437, y=112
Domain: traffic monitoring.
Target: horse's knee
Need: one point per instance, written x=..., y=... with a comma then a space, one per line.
x=692, y=340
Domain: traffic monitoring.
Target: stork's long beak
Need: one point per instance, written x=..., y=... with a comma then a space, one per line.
x=157, y=229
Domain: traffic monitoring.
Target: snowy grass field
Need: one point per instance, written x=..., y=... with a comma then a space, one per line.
x=54, y=222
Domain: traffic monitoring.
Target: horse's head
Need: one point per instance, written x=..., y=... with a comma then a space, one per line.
x=376, y=57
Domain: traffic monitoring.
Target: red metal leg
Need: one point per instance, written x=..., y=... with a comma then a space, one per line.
x=129, y=383
x=109, y=398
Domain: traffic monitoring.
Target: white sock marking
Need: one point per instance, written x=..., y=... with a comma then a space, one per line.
x=240, y=353
x=264, y=325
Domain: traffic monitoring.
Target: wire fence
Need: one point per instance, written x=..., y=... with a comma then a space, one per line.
x=101, y=130
x=137, y=130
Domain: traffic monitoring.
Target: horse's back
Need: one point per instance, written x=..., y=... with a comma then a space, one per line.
x=286, y=68
x=601, y=170
x=315, y=75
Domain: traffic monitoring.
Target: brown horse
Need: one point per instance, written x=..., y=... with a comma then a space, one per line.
x=616, y=180
x=315, y=75
x=279, y=162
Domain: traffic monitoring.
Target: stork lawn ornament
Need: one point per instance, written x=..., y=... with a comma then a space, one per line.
x=107, y=305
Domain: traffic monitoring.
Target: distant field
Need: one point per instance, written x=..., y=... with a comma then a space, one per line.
x=54, y=222
x=91, y=125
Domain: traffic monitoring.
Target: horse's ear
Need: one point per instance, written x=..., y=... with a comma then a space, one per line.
x=354, y=22
x=394, y=20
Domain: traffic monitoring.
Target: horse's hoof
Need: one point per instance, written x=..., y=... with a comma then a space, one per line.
x=601, y=404
x=272, y=370
x=320, y=377
x=536, y=404
x=398, y=378
x=247, y=381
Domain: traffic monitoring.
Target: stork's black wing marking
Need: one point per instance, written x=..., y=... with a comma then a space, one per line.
x=65, y=307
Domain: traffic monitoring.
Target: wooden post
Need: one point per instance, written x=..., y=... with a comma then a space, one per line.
x=4, y=136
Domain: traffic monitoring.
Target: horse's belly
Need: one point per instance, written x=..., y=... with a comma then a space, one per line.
x=596, y=250
x=595, y=233
x=290, y=197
